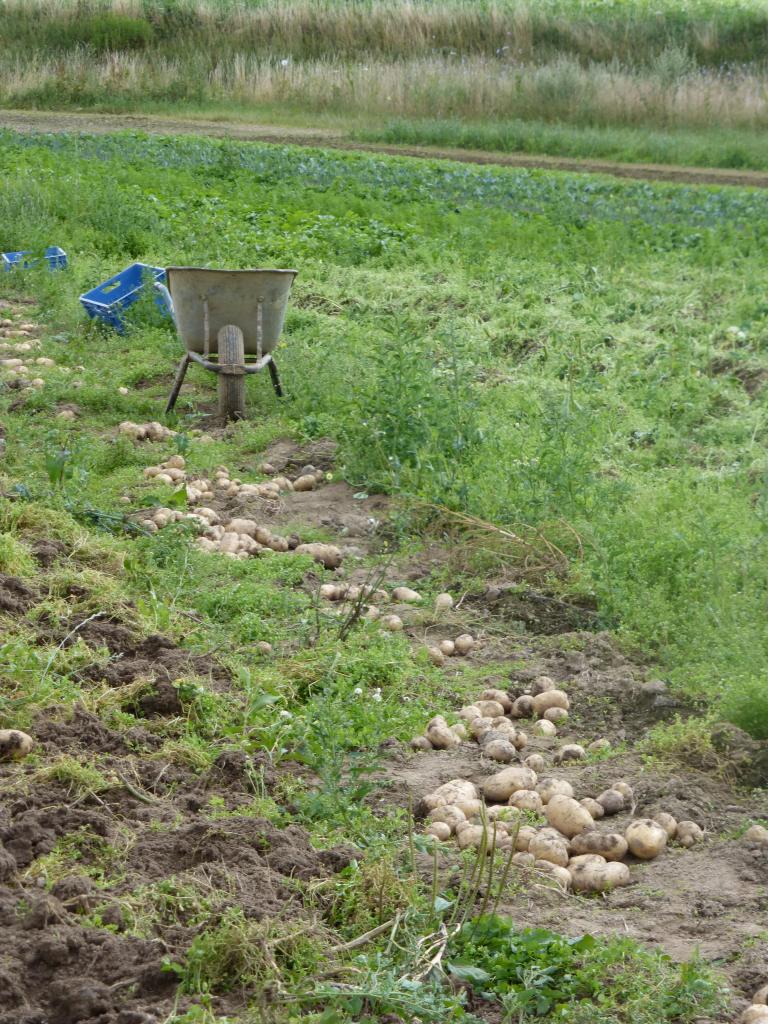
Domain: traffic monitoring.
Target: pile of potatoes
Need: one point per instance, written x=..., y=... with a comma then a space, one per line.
x=20, y=369
x=569, y=848
x=348, y=592
x=239, y=537
x=10, y=329
x=459, y=647
x=491, y=719
x=153, y=431
x=757, y=1013
x=243, y=538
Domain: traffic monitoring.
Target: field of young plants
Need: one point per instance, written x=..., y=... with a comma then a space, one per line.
x=528, y=557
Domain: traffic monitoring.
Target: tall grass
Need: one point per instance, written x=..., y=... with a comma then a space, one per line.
x=633, y=31
x=430, y=87
x=588, y=64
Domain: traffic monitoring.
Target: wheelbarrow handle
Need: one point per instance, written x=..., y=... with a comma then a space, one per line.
x=160, y=287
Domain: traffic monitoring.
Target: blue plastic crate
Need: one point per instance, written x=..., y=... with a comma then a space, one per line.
x=54, y=256
x=109, y=300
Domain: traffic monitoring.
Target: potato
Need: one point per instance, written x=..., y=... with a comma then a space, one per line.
x=327, y=554
x=595, y=809
x=526, y=800
x=688, y=833
x=406, y=595
x=593, y=874
x=451, y=793
x=441, y=737
x=667, y=822
x=15, y=745
x=307, y=482
x=536, y=762
x=459, y=730
x=450, y=814
x=503, y=784
x=392, y=623
x=471, y=808
x=609, y=845
x=436, y=656
x=625, y=790
x=545, y=728
x=601, y=744
x=175, y=462
x=420, y=743
x=500, y=750
x=505, y=727
x=499, y=696
x=755, y=1014
x=502, y=813
x=447, y=647
x=570, y=752
x=330, y=592
x=523, y=707
x=246, y=526
x=480, y=727
x=546, y=848
x=561, y=875
x=611, y=800
x=761, y=996
x=548, y=788
x=473, y=837
x=524, y=836
x=230, y=542
x=550, y=699
x=464, y=643
x=757, y=834
x=520, y=740
x=490, y=708
x=567, y=815
x=543, y=683
x=645, y=838
x=556, y=715
x=523, y=859
x=443, y=603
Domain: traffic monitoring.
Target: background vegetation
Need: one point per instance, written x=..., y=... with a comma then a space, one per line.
x=587, y=79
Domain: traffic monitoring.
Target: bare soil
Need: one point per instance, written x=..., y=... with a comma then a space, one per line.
x=96, y=123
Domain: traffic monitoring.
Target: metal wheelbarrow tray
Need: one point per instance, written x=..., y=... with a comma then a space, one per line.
x=229, y=322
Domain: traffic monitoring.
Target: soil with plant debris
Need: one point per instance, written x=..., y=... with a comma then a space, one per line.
x=67, y=957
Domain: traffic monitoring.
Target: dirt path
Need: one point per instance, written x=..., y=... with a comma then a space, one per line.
x=46, y=121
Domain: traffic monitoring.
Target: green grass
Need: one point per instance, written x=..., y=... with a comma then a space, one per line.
x=531, y=348
x=737, y=150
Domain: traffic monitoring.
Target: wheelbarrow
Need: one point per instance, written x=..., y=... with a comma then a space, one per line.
x=229, y=322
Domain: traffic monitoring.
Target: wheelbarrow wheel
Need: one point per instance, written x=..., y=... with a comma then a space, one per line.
x=231, y=386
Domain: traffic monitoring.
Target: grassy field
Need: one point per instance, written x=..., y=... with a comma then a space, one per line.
x=574, y=360
x=681, y=83
x=601, y=342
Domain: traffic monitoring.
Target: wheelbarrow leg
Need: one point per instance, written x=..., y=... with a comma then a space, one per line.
x=275, y=378
x=180, y=375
